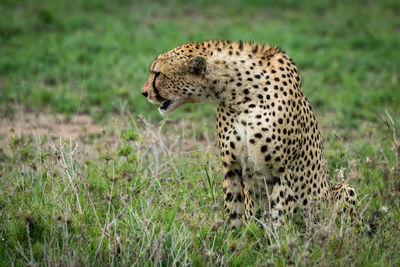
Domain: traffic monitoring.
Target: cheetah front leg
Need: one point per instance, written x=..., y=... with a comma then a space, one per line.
x=233, y=195
x=265, y=200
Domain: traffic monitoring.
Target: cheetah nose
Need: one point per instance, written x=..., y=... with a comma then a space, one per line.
x=145, y=94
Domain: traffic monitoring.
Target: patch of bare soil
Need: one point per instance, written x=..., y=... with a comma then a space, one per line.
x=42, y=124
x=166, y=138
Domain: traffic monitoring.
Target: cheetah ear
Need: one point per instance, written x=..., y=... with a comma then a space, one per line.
x=197, y=64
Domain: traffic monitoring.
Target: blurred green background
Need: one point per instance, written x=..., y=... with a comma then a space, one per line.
x=92, y=56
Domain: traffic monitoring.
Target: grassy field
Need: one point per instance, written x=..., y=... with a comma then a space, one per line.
x=147, y=190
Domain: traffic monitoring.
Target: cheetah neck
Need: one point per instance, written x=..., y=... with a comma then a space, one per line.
x=232, y=71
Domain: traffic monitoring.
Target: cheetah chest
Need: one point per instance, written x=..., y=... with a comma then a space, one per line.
x=239, y=147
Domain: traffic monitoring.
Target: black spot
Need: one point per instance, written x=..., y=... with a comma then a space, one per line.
x=232, y=145
x=230, y=173
x=268, y=157
x=229, y=197
x=255, y=49
x=264, y=148
x=233, y=215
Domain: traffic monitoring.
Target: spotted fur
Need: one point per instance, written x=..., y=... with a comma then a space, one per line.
x=346, y=195
x=271, y=147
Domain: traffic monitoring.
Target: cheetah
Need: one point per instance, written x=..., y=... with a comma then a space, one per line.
x=270, y=144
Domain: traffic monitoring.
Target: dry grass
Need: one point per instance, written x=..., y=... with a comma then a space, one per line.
x=141, y=193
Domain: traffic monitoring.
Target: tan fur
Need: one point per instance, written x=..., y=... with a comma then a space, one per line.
x=271, y=147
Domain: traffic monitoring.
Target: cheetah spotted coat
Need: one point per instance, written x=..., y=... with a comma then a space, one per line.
x=271, y=147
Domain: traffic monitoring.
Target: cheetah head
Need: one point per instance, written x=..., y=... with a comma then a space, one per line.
x=175, y=79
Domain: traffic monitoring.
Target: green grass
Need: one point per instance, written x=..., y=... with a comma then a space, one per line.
x=148, y=193
x=92, y=56
x=151, y=200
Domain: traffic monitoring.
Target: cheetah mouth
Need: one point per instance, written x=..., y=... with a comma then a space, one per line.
x=165, y=105
x=169, y=105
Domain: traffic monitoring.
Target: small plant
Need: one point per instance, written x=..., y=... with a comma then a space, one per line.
x=129, y=135
x=125, y=150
